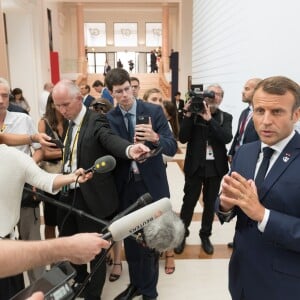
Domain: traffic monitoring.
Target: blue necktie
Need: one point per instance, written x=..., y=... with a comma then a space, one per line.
x=130, y=128
x=263, y=168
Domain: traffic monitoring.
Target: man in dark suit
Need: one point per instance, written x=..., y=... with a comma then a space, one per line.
x=90, y=138
x=87, y=99
x=133, y=180
x=179, y=105
x=245, y=132
x=207, y=132
x=265, y=262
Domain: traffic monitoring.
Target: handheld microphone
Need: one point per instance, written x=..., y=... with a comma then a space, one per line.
x=103, y=164
x=140, y=202
x=122, y=228
x=165, y=233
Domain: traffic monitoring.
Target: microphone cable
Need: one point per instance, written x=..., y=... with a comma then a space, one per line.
x=72, y=206
x=81, y=287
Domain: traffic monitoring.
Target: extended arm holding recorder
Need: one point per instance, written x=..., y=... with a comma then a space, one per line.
x=19, y=256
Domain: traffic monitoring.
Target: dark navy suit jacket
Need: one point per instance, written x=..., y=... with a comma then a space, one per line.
x=88, y=100
x=250, y=134
x=153, y=170
x=267, y=265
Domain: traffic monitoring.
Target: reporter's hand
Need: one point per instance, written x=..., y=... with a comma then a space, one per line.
x=83, y=177
x=43, y=139
x=36, y=296
x=145, y=132
x=206, y=114
x=83, y=247
x=137, y=150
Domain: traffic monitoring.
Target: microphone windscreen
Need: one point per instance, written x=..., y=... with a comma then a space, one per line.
x=165, y=233
x=104, y=164
x=138, y=219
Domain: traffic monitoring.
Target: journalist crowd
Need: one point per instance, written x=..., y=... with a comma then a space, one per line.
x=88, y=159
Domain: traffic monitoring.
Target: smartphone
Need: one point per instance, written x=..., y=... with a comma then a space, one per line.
x=149, y=154
x=142, y=120
x=57, y=142
x=54, y=284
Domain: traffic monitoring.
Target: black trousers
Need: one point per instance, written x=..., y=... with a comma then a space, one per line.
x=192, y=190
x=10, y=286
x=142, y=261
x=77, y=224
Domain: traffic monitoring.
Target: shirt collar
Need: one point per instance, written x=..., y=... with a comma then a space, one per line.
x=278, y=147
x=132, y=109
x=80, y=116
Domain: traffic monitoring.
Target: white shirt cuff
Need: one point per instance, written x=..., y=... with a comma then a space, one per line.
x=262, y=225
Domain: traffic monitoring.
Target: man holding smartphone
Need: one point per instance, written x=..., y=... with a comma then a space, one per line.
x=144, y=122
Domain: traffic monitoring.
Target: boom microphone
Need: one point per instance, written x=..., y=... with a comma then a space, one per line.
x=140, y=202
x=122, y=228
x=165, y=233
x=103, y=164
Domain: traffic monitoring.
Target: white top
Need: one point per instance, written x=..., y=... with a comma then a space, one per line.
x=43, y=102
x=21, y=123
x=16, y=169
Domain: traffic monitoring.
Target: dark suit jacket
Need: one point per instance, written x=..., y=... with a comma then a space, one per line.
x=218, y=131
x=153, y=170
x=96, y=139
x=250, y=134
x=88, y=100
x=267, y=265
x=180, y=109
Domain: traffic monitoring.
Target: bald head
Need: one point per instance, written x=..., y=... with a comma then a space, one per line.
x=249, y=88
x=67, y=99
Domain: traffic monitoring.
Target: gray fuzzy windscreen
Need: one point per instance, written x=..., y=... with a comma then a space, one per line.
x=164, y=233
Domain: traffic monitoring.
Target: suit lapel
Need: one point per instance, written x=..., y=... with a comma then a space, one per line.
x=290, y=152
x=82, y=130
x=119, y=123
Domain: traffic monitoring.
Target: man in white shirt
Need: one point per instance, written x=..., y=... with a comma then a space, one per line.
x=48, y=86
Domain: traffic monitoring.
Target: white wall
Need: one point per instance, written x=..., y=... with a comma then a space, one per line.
x=236, y=40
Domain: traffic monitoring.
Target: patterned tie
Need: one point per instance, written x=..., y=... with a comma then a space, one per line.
x=130, y=127
x=243, y=122
x=67, y=150
x=268, y=152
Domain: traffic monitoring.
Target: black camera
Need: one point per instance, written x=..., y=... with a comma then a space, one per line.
x=99, y=106
x=197, y=98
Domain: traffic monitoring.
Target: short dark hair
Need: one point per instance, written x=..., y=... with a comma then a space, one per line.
x=280, y=85
x=132, y=78
x=97, y=83
x=116, y=76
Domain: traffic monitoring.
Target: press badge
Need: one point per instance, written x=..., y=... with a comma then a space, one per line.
x=209, y=152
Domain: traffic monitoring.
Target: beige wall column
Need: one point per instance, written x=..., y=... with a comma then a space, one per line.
x=165, y=38
x=3, y=50
x=82, y=63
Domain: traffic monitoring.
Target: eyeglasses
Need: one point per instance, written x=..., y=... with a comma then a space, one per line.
x=121, y=91
x=4, y=96
x=135, y=86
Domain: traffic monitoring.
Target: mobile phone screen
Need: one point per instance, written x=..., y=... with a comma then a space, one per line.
x=58, y=143
x=142, y=120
